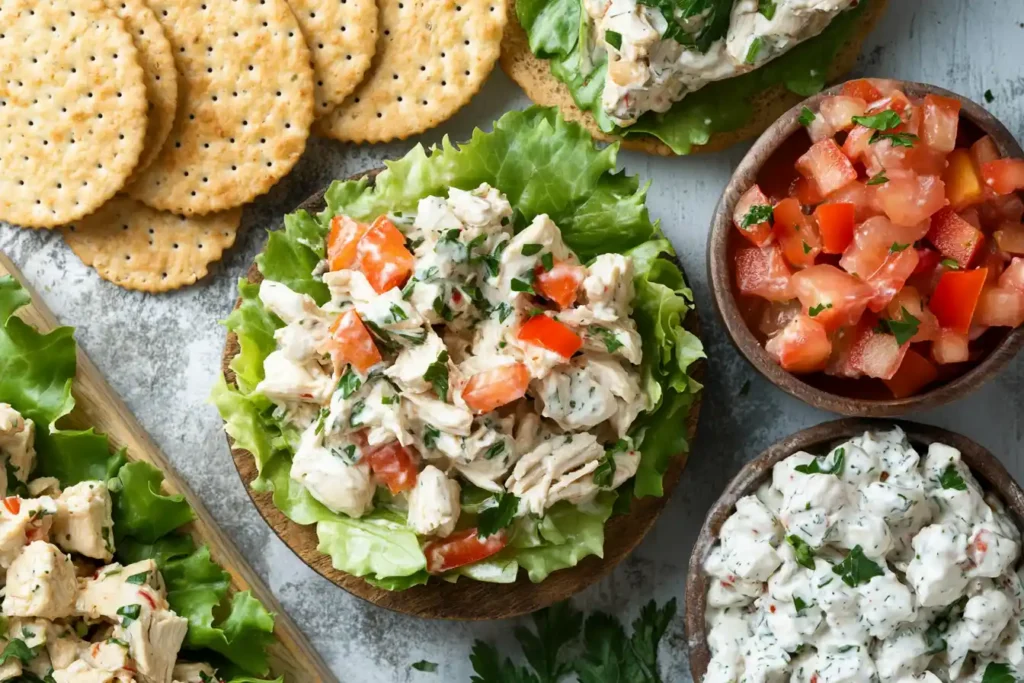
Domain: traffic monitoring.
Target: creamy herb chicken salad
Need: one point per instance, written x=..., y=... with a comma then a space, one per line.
x=872, y=563
x=473, y=366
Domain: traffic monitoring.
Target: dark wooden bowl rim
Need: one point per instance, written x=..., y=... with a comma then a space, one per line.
x=720, y=273
x=465, y=599
x=819, y=440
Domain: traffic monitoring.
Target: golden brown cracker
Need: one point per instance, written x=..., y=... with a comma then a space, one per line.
x=432, y=57
x=158, y=66
x=72, y=109
x=245, y=104
x=137, y=247
x=342, y=38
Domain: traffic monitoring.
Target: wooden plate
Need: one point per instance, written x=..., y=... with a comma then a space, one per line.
x=466, y=599
x=97, y=405
x=820, y=440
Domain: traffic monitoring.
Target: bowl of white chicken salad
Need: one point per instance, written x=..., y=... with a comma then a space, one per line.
x=675, y=77
x=466, y=367
x=861, y=551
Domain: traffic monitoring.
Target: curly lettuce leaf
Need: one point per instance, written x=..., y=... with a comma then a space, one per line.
x=557, y=31
x=141, y=510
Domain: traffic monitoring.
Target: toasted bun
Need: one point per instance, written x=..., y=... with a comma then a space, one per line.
x=534, y=76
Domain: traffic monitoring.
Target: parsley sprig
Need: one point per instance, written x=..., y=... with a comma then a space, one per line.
x=437, y=375
x=951, y=479
x=856, y=569
x=497, y=516
x=813, y=467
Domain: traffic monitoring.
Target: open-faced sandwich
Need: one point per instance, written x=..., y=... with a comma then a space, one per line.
x=671, y=76
x=459, y=367
x=99, y=582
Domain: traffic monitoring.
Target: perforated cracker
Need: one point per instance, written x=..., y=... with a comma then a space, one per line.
x=342, y=37
x=72, y=109
x=137, y=247
x=157, y=64
x=245, y=104
x=432, y=57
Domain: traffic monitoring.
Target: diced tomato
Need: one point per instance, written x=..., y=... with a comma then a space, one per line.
x=858, y=143
x=550, y=334
x=915, y=373
x=382, y=256
x=1001, y=209
x=806, y=191
x=342, y=241
x=491, y=389
x=559, y=284
x=891, y=276
x=796, y=233
x=1013, y=276
x=839, y=111
x=1010, y=238
x=1004, y=175
x=875, y=353
x=910, y=299
x=826, y=164
x=889, y=158
x=13, y=504
x=873, y=240
x=862, y=88
x=835, y=222
x=950, y=347
x=963, y=180
x=394, y=466
x=830, y=296
x=941, y=117
x=862, y=196
x=954, y=237
x=911, y=199
x=763, y=272
x=351, y=343
x=984, y=151
x=776, y=315
x=927, y=259
x=460, y=549
x=1000, y=307
x=956, y=296
x=759, y=233
x=802, y=346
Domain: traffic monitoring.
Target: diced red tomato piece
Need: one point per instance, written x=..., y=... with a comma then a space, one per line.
x=873, y=240
x=984, y=151
x=802, y=346
x=559, y=284
x=1001, y=209
x=862, y=88
x=491, y=389
x=395, y=466
x=1010, y=238
x=956, y=296
x=862, y=196
x=550, y=334
x=835, y=223
x=13, y=504
x=776, y=315
x=763, y=272
x=941, y=117
x=927, y=259
x=1013, y=276
x=887, y=157
x=911, y=199
x=382, y=256
x=830, y=296
x=858, y=143
x=839, y=111
x=342, y=239
x=1000, y=307
x=759, y=233
x=460, y=549
x=963, y=180
x=806, y=191
x=1004, y=175
x=891, y=276
x=955, y=238
x=915, y=373
x=352, y=343
x=950, y=347
x=875, y=353
x=909, y=299
x=796, y=233
x=826, y=164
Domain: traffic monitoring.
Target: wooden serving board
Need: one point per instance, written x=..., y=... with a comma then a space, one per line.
x=467, y=599
x=96, y=405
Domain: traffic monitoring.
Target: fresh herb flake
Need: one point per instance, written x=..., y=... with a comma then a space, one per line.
x=878, y=179
x=813, y=467
x=803, y=552
x=531, y=249
x=129, y=613
x=806, y=117
x=897, y=247
x=950, y=264
x=611, y=342
x=498, y=516
x=766, y=8
x=437, y=375
x=989, y=97
x=547, y=259
x=495, y=450
x=137, y=579
x=757, y=214
x=814, y=311
x=897, y=139
x=997, y=672
x=883, y=120
x=424, y=665
x=349, y=383
x=754, y=50
x=903, y=329
x=856, y=569
x=604, y=475
x=951, y=479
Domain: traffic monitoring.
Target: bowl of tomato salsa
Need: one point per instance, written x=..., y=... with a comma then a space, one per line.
x=867, y=255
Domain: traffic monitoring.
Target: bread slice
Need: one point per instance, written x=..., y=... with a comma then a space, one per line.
x=533, y=74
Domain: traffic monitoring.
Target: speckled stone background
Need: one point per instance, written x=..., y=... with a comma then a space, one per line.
x=161, y=354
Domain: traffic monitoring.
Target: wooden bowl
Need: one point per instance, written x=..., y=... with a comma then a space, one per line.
x=465, y=599
x=843, y=396
x=819, y=440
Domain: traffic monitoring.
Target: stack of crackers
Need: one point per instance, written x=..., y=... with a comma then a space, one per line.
x=141, y=127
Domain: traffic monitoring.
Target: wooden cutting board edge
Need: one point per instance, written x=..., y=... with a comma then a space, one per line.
x=98, y=406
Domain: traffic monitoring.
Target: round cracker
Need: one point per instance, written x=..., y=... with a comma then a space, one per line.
x=137, y=247
x=342, y=37
x=157, y=64
x=245, y=104
x=432, y=57
x=72, y=109
x=533, y=75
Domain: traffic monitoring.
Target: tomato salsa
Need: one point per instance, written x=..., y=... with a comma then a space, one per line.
x=885, y=253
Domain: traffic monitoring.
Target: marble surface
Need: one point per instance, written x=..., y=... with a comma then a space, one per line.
x=161, y=354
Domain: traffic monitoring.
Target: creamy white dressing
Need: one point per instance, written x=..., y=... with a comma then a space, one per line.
x=868, y=564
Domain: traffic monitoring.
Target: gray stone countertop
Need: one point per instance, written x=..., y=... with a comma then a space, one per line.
x=161, y=353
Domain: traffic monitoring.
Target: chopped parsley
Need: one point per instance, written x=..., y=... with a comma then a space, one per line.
x=547, y=259
x=951, y=479
x=493, y=261
x=347, y=454
x=814, y=311
x=17, y=648
x=129, y=613
x=388, y=400
x=504, y=311
x=758, y=213
x=424, y=665
x=442, y=309
x=856, y=569
x=766, y=8
x=495, y=450
x=398, y=313
x=878, y=179
x=614, y=39
x=137, y=579
x=897, y=247
x=903, y=329
x=839, y=457
x=799, y=604
x=604, y=475
x=804, y=553
x=950, y=264
x=897, y=139
x=437, y=375
x=430, y=434
x=498, y=516
x=755, y=49
x=321, y=420
x=611, y=342
x=531, y=249
x=989, y=97
x=357, y=410
x=349, y=383
x=807, y=248
x=806, y=117
x=883, y=120
x=524, y=283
